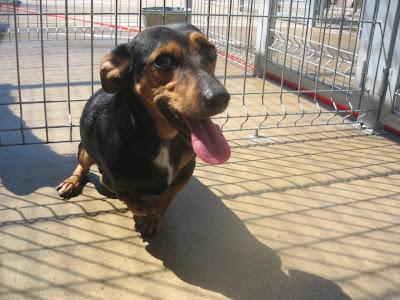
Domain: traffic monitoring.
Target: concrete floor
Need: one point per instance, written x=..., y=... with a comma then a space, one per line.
x=301, y=213
x=308, y=213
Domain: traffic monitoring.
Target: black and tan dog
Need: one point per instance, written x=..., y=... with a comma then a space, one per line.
x=144, y=128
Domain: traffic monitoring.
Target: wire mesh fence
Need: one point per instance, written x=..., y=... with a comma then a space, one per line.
x=301, y=73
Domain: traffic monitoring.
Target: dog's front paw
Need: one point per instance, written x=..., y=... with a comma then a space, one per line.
x=70, y=187
x=147, y=226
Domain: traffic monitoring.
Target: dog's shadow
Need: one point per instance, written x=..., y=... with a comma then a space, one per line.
x=205, y=244
x=26, y=168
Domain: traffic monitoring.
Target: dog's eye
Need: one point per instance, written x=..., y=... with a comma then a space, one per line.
x=210, y=52
x=163, y=62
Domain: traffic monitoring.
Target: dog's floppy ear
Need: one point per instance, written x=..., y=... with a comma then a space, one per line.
x=114, y=68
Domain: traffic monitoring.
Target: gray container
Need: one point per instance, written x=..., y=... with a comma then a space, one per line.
x=153, y=16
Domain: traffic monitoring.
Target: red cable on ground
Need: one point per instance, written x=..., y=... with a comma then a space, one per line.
x=61, y=16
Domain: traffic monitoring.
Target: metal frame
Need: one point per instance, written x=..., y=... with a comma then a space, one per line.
x=308, y=48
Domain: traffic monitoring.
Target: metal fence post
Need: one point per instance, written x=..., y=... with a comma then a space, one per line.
x=265, y=34
x=317, y=10
x=241, y=5
x=378, y=69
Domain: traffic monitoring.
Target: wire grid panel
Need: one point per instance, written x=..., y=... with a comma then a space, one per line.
x=326, y=49
x=50, y=53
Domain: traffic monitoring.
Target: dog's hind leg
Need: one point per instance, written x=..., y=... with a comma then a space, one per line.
x=73, y=185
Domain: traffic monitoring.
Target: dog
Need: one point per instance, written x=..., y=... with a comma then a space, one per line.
x=150, y=120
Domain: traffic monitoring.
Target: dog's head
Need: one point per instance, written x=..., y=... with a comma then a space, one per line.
x=171, y=69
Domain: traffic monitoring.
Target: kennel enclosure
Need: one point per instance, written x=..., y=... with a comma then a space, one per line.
x=285, y=62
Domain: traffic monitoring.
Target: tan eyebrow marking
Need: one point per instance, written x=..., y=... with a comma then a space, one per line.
x=172, y=48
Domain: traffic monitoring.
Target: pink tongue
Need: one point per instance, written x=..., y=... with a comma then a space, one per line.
x=208, y=142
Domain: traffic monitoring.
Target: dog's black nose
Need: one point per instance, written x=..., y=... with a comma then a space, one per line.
x=216, y=98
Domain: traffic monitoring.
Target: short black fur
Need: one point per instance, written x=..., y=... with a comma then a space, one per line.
x=119, y=133
x=144, y=157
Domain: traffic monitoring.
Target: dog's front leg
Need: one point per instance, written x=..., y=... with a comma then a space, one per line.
x=73, y=185
x=148, y=225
